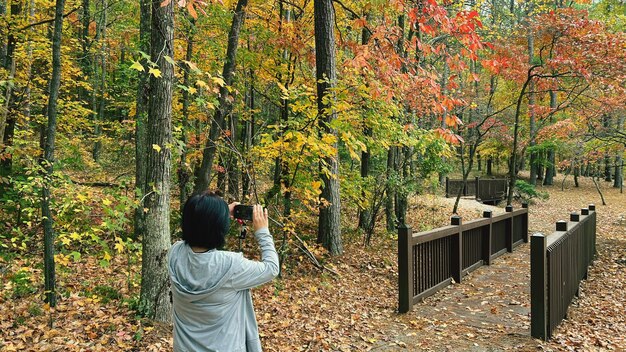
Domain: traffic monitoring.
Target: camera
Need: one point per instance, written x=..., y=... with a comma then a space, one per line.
x=243, y=212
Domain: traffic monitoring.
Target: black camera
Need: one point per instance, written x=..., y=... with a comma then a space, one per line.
x=243, y=212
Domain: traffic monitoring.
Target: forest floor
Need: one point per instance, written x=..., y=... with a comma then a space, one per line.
x=354, y=309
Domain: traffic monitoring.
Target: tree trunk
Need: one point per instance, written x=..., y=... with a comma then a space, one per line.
x=154, y=299
x=533, y=162
x=551, y=158
x=247, y=140
x=390, y=194
x=7, y=116
x=618, y=178
x=99, y=117
x=607, y=168
x=203, y=173
x=48, y=161
x=183, y=166
x=329, y=229
x=141, y=112
x=513, y=159
x=85, y=60
x=365, y=214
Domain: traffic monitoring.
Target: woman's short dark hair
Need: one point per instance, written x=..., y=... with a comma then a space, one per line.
x=206, y=220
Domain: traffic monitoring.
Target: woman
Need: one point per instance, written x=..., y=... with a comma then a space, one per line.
x=210, y=287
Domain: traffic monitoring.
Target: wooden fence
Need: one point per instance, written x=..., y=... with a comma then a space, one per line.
x=486, y=190
x=429, y=261
x=558, y=263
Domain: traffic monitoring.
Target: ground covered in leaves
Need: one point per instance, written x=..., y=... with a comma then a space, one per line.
x=353, y=306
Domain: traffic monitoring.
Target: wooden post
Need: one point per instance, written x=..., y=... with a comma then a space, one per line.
x=476, y=188
x=526, y=216
x=538, y=287
x=561, y=225
x=405, y=269
x=487, y=230
x=592, y=212
x=447, y=187
x=456, y=261
x=509, y=229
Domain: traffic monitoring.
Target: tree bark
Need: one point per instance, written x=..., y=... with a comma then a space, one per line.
x=183, y=166
x=513, y=159
x=533, y=160
x=329, y=229
x=99, y=115
x=141, y=112
x=48, y=161
x=365, y=214
x=203, y=173
x=390, y=213
x=7, y=116
x=551, y=157
x=154, y=299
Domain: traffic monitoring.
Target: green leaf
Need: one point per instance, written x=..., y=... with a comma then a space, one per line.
x=170, y=60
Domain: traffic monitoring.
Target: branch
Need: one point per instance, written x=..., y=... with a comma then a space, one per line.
x=50, y=20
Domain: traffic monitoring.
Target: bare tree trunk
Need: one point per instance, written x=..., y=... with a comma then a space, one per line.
x=533, y=160
x=154, y=299
x=7, y=117
x=183, y=166
x=513, y=158
x=99, y=116
x=329, y=229
x=143, y=92
x=551, y=158
x=390, y=194
x=48, y=160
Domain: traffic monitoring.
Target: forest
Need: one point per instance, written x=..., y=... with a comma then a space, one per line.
x=342, y=117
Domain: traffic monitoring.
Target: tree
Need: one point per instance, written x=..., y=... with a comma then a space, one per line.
x=329, y=225
x=48, y=157
x=154, y=300
x=203, y=172
x=141, y=111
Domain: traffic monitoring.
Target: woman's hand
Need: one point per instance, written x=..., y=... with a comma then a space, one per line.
x=231, y=209
x=259, y=217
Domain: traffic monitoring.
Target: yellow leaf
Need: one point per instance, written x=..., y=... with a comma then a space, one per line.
x=156, y=147
x=137, y=66
x=66, y=241
x=192, y=90
x=106, y=201
x=219, y=81
x=119, y=245
x=201, y=84
x=155, y=72
x=75, y=236
x=106, y=256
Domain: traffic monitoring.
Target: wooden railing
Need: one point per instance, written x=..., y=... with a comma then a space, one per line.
x=485, y=190
x=558, y=263
x=429, y=261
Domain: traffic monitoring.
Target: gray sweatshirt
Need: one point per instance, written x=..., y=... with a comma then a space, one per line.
x=211, y=292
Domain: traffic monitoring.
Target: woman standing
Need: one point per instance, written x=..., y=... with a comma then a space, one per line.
x=213, y=308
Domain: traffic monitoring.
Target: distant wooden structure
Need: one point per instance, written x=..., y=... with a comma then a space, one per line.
x=487, y=190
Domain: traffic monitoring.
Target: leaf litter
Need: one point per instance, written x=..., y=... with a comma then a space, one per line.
x=309, y=310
